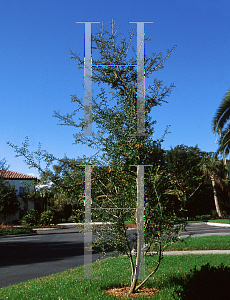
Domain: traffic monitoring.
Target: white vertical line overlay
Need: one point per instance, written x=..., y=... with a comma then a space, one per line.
x=87, y=77
x=87, y=225
x=140, y=268
x=140, y=78
x=88, y=228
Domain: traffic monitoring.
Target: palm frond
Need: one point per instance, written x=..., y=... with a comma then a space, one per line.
x=222, y=114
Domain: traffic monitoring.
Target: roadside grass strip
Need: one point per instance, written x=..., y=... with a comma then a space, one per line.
x=214, y=242
x=224, y=221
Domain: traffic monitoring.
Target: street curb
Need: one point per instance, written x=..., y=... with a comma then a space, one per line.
x=209, y=223
x=17, y=235
x=217, y=224
x=195, y=252
x=196, y=224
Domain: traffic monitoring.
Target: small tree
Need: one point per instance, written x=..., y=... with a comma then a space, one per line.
x=114, y=180
x=114, y=172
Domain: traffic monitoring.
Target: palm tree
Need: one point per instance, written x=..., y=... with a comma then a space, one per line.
x=216, y=170
x=221, y=125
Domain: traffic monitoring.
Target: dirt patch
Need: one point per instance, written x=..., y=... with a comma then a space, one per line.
x=131, y=225
x=122, y=292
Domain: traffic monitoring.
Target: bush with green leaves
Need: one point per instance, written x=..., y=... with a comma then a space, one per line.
x=15, y=231
x=72, y=219
x=205, y=283
x=202, y=217
x=31, y=218
x=46, y=217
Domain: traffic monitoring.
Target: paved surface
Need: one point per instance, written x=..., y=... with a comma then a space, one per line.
x=52, y=251
x=202, y=229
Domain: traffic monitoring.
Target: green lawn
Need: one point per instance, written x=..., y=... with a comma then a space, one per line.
x=218, y=242
x=225, y=221
x=214, y=242
x=115, y=272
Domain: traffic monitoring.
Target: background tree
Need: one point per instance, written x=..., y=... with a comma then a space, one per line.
x=9, y=203
x=216, y=171
x=221, y=125
x=3, y=164
x=183, y=163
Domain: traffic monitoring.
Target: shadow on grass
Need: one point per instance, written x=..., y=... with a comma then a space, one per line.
x=206, y=283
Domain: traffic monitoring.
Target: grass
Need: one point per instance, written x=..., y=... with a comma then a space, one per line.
x=225, y=221
x=114, y=272
x=196, y=221
x=214, y=242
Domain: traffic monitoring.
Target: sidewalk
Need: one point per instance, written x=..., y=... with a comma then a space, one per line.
x=218, y=224
x=197, y=252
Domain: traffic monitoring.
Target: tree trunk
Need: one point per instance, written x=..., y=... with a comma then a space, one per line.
x=139, y=259
x=133, y=283
x=215, y=196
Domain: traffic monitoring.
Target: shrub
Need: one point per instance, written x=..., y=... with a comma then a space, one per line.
x=72, y=219
x=15, y=231
x=206, y=283
x=214, y=214
x=31, y=218
x=202, y=217
x=46, y=218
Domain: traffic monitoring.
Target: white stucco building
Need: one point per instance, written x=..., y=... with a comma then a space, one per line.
x=18, y=180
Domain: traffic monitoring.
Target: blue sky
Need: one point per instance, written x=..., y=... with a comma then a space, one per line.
x=37, y=75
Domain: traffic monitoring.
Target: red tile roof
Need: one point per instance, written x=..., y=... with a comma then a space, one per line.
x=7, y=174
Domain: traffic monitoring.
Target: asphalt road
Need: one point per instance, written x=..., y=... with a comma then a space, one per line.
x=52, y=251
x=201, y=229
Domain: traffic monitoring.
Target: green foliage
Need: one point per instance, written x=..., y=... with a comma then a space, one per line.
x=202, y=217
x=221, y=126
x=72, y=219
x=3, y=164
x=184, y=165
x=207, y=282
x=31, y=218
x=217, y=171
x=46, y=217
x=9, y=203
x=10, y=230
